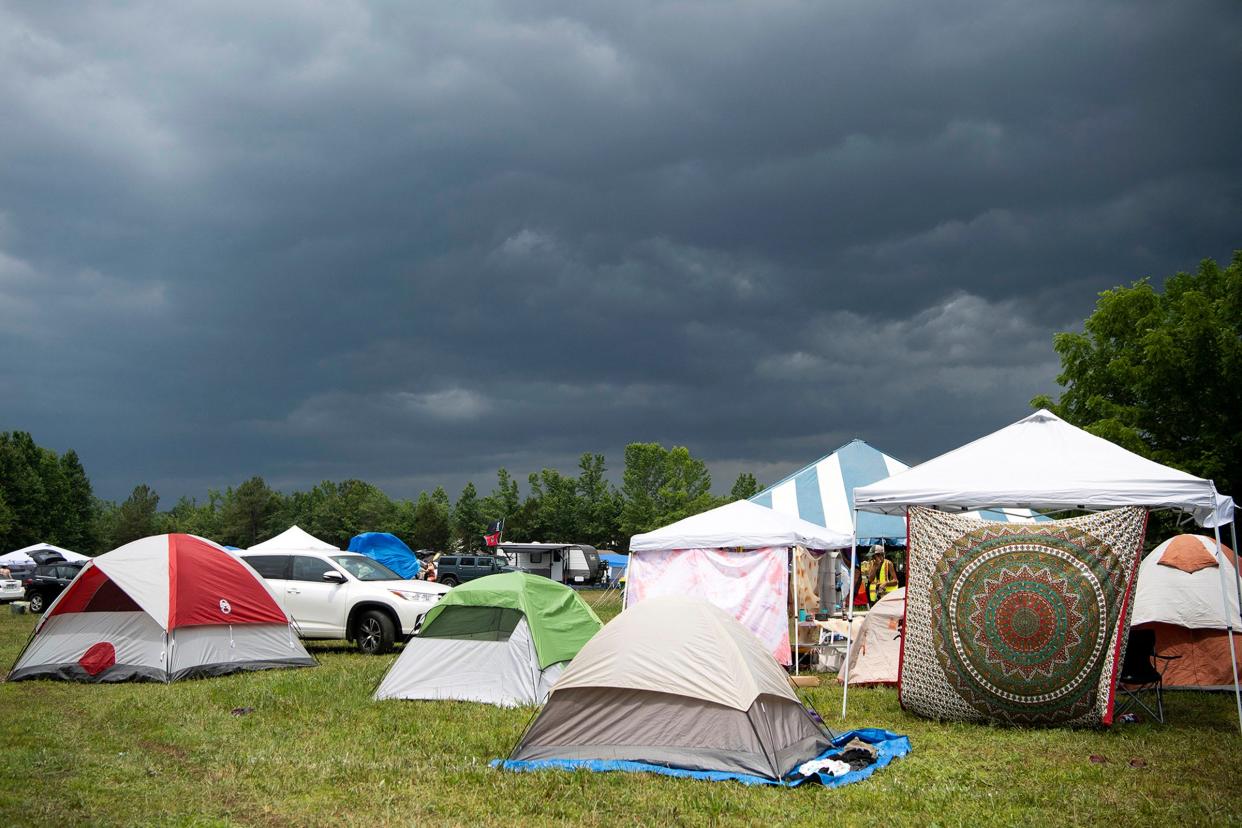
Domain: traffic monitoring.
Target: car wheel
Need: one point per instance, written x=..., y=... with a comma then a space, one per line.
x=375, y=633
x=37, y=604
x=449, y=581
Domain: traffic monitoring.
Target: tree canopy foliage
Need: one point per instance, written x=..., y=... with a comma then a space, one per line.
x=1160, y=371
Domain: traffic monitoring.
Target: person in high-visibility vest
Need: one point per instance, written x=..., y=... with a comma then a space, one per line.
x=881, y=577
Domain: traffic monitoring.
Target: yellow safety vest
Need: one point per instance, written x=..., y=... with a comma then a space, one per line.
x=876, y=589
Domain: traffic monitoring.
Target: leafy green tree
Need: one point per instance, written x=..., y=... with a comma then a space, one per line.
x=202, y=519
x=468, y=524
x=746, y=486
x=138, y=517
x=599, y=507
x=432, y=527
x=640, y=487
x=247, y=512
x=555, y=516
x=25, y=492
x=78, y=531
x=660, y=486
x=1160, y=371
x=504, y=503
x=7, y=518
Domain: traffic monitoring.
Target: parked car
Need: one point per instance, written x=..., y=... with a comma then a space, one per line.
x=48, y=581
x=11, y=589
x=452, y=570
x=333, y=595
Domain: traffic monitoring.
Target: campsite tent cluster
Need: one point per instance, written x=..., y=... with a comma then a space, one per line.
x=687, y=679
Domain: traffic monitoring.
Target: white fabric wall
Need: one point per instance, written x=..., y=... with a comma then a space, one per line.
x=63, y=639
x=196, y=646
x=504, y=673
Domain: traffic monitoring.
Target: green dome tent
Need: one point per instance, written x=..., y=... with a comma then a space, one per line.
x=503, y=640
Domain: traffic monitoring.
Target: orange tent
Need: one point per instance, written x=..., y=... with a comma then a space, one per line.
x=1179, y=597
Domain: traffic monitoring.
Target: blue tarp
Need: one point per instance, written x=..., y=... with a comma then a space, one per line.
x=888, y=745
x=613, y=560
x=389, y=550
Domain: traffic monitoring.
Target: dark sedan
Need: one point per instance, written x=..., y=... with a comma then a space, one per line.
x=48, y=581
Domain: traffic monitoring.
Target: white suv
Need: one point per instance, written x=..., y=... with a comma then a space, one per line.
x=344, y=595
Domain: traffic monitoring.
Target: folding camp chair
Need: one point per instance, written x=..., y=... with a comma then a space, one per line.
x=1139, y=673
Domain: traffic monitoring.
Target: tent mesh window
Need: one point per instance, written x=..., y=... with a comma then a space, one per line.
x=473, y=623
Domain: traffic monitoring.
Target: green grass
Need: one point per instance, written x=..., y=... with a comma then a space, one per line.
x=318, y=751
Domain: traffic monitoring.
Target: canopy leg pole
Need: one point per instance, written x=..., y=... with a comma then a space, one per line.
x=1237, y=575
x=849, y=617
x=1224, y=599
x=793, y=560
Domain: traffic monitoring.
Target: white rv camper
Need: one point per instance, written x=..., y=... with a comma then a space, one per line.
x=576, y=564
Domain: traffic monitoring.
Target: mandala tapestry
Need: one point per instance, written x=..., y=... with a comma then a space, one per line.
x=1018, y=623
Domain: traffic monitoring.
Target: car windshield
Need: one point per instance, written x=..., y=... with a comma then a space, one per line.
x=365, y=569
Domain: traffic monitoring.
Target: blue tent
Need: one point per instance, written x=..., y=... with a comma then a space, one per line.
x=389, y=550
x=823, y=493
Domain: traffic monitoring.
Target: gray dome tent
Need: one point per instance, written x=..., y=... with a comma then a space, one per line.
x=678, y=683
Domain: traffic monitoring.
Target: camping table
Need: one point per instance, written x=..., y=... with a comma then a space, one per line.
x=816, y=636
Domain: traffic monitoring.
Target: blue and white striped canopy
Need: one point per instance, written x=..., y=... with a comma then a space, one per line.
x=823, y=493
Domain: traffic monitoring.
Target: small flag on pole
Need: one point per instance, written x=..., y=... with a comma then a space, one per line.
x=494, y=530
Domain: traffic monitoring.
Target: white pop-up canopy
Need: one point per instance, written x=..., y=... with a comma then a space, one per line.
x=294, y=538
x=22, y=556
x=741, y=524
x=1043, y=462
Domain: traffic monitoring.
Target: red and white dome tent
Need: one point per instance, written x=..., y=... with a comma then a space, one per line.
x=1043, y=462
x=162, y=608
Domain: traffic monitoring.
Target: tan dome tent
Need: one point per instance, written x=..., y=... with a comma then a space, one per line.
x=677, y=686
x=876, y=657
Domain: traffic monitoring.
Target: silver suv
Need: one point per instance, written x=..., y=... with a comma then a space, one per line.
x=333, y=595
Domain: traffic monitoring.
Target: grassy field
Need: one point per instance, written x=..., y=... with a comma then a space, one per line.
x=317, y=751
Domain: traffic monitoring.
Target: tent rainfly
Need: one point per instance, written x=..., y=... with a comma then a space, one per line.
x=162, y=608
x=1177, y=597
x=1043, y=462
x=737, y=557
x=502, y=639
x=673, y=683
x=823, y=493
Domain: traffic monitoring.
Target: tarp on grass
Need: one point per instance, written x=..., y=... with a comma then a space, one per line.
x=888, y=745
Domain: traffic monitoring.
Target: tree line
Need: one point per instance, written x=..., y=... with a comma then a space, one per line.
x=48, y=497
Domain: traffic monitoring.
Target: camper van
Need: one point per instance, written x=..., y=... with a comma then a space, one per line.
x=576, y=564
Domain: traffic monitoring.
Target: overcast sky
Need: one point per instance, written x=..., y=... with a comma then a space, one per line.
x=413, y=242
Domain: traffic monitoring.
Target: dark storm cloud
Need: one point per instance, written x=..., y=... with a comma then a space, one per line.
x=412, y=244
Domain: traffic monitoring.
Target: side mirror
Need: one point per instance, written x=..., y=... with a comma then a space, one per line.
x=333, y=577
